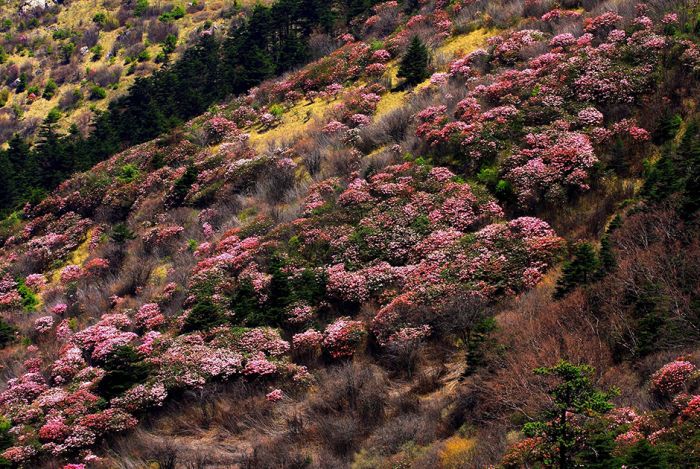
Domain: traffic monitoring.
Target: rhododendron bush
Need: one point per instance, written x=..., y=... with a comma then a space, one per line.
x=309, y=222
x=409, y=234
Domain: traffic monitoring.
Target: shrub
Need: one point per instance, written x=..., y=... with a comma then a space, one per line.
x=141, y=7
x=124, y=368
x=203, y=316
x=99, y=18
x=175, y=13
x=97, y=92
x=7, y=333
x=50, y=89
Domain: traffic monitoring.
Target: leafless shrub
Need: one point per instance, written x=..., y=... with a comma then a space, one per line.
x=129, y=38
x=429, y=379
x=133, y=275
x=417, y=428
x=69, y=99
x=534, y=50
x=276, y=180
x=157, y=30
x=10, y=72
x=405, y=403
x=276, y=453
x=352, y=389
x=106, y=75
x=67, y=73
x=94, y=298
x=537, y=8
x=387, y=22
x=321, y=45
x=403, y=357
x=197, y=460
x=379, y=161
x=89, y=38
x=341, y=161
x=503, y=15
x=165, y=454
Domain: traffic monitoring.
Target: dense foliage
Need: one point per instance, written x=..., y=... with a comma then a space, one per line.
x=333, y=269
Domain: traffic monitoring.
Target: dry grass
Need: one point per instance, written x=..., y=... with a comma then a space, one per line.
x=294, y=122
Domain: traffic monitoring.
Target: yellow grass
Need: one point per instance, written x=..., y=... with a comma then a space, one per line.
x=77, y=15
x=293, y=123
x=77, y=257
x=459, y=45
x=456, y=452
x=466, y=43
x=159, y=274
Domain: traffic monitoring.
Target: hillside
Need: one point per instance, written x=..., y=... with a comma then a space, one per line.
x=76, y=56
x=448, y=234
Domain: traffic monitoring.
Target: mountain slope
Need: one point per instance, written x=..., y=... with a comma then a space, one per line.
x=337, y=269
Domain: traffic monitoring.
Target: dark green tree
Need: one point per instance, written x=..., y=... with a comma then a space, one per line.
x=203, y=316
x=414, y=64
x=121, y=233
x=124, y=368
x=8, y=333
x=607, y=256
x=645, y=456
x=573, y=394
x=182, y=186
x=578, y=271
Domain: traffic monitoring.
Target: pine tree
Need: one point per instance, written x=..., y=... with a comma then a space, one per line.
x=414, y=65
x=607, y=256
x=573, y=394
x=644, y=455
x=579, y=271
x=53, y=163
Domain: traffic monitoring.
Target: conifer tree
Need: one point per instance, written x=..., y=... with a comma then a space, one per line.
x=573, y=394
x=579, y=271
x=414, y=65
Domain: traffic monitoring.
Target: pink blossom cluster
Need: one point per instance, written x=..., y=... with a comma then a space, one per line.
x=672, y=377
x=555, y=160
x=149, y=316
x=342, y=337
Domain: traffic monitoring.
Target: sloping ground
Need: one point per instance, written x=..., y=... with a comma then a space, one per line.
x=309, y=274
x=37, y=51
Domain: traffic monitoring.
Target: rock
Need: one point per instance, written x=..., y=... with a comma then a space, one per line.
x=33, y=6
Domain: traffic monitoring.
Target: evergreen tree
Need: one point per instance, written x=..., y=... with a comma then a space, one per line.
x=124, y=368
x=182, y=187
x=579, y=271
x=53, y=164
x=607, y=256
x=572, y=394
x=204, y=316
x=7, y=182
x=121, y=233
x=644, y=456
x=24, y=173
x=414, y=65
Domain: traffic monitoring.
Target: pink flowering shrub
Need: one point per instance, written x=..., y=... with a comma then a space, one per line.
x=342, y=337
x=672, y=377
x=308, y=341
x=44, y=324
x=141, y=397
x=275, y=396
x=554, y=162
x=219, y=128
x=149, y=316
x=71, y=273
